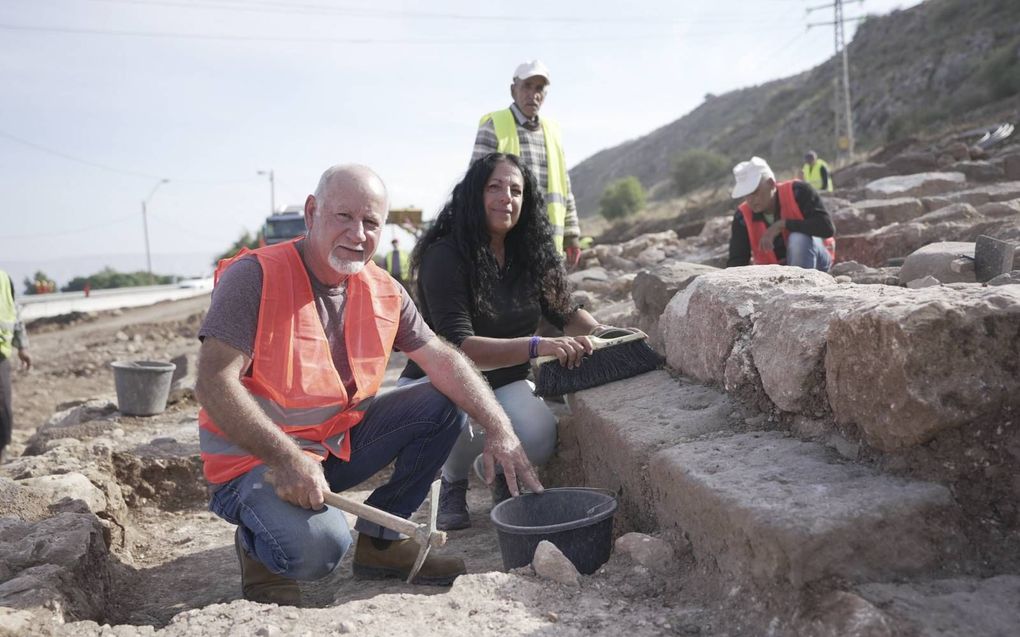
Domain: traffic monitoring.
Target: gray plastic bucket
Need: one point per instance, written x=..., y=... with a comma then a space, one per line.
x=577, y=520
x=142, y=386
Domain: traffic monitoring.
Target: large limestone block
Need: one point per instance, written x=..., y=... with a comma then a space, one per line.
x=653, y=289
x=957, y=212
x=59, y=563
x=703, y=324
x=911, y=163
x=936, y=259
x=778, y=511
x=862, y=172
x=979, y=170
x=900, y=239
x=631, y=249
x=882, y=212
x=904, y=367
x=999, y=209
x=918, y=185
x=623, y=423
x=983, y=194
x=952, y=607
x=788, y=343
x=871, y=214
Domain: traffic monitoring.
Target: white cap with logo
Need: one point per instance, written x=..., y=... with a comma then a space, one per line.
x=531, y=69
x=748, y=175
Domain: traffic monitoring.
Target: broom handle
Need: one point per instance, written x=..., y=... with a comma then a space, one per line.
x=599, y=343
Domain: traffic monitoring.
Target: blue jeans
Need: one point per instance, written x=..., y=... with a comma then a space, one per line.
x=416, y=426
x=805, y=251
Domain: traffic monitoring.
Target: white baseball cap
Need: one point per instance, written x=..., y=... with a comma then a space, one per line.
x=531, y=69
x=748, y=175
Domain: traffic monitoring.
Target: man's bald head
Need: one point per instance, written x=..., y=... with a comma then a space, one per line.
x=351, y=179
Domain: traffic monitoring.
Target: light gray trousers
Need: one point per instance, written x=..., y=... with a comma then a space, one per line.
x=533, y=422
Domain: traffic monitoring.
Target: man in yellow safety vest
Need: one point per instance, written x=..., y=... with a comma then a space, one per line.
x=816, y=172
x=518, y=130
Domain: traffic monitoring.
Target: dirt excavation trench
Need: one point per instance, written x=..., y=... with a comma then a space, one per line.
x=153, y=560
x=869, y=490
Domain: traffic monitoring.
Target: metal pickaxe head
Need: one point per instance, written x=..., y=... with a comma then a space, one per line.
x=426, y=535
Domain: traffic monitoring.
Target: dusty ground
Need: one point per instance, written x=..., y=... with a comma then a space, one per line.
x=177, y=561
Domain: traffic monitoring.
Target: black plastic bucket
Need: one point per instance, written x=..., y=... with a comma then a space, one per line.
x=578, y=521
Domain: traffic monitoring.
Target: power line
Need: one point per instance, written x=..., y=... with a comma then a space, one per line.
x=123, y=171
x=60, y=233
x=87, y=162
x=361, y=12
x=357, y=40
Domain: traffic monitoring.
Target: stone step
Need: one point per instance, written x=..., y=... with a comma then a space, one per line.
x=774, y=510
x=621, y=425
x=951, y=607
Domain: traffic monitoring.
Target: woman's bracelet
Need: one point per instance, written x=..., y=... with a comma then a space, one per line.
x=533, y=346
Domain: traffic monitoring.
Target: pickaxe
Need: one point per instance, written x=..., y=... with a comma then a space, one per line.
x=425, y=535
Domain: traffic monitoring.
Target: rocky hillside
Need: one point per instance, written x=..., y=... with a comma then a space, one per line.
x=939, y=63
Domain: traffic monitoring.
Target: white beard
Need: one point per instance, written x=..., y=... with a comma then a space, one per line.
x=344, y=266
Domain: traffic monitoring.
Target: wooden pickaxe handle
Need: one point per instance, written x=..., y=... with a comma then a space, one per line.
x=372, y=514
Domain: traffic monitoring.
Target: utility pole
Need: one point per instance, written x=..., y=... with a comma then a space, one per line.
x=272, y=190
x=145, y=224
x=841, y=109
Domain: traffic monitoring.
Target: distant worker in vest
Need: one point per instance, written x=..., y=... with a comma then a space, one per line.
x=294, y=349
x=782, y=223
x=518, y=130
x=398, y=263
x=12, y=336
x=816, y=172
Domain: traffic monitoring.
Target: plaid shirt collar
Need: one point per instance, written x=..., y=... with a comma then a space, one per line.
x=522, y=119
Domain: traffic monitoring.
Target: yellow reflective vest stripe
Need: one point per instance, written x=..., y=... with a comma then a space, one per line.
x=505, y=125
x=813, y=175
x=8, y=315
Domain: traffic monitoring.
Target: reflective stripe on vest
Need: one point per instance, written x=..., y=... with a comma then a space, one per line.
x=813, y=175
x=8, y=315
x=293, y=378
x=505, y=125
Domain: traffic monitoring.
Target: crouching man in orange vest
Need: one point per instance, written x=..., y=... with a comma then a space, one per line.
x=781, y=223
x=294, y=349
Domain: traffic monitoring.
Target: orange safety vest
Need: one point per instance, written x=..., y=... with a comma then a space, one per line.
x=293, y=378
x=788, y=209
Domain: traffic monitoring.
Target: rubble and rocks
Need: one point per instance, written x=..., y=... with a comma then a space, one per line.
x=827, y=454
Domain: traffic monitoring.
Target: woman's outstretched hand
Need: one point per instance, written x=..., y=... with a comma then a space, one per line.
x=568, y=350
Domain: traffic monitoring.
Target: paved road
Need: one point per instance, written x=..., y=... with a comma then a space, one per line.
x=43, y=305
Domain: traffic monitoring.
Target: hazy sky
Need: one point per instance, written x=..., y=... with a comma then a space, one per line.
x=103, y=98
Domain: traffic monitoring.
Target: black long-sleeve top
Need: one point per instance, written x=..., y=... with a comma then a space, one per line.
x=446, y=305
x=816, y=223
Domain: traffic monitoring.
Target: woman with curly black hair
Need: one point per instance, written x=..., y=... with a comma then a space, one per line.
x=487, y=272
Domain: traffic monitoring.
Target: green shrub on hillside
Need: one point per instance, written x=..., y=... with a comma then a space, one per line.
x=108, y=278
x=622, y=198
x=1001, y=71
x=698, y=167
x=246, y=240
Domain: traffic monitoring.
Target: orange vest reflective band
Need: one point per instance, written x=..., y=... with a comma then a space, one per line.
x=293, y=378
x=788, y=209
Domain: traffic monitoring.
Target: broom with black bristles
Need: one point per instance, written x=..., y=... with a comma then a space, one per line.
x=612, y=359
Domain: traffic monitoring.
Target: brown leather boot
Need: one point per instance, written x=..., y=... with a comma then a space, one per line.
x=381, y=559
x=259, y=584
